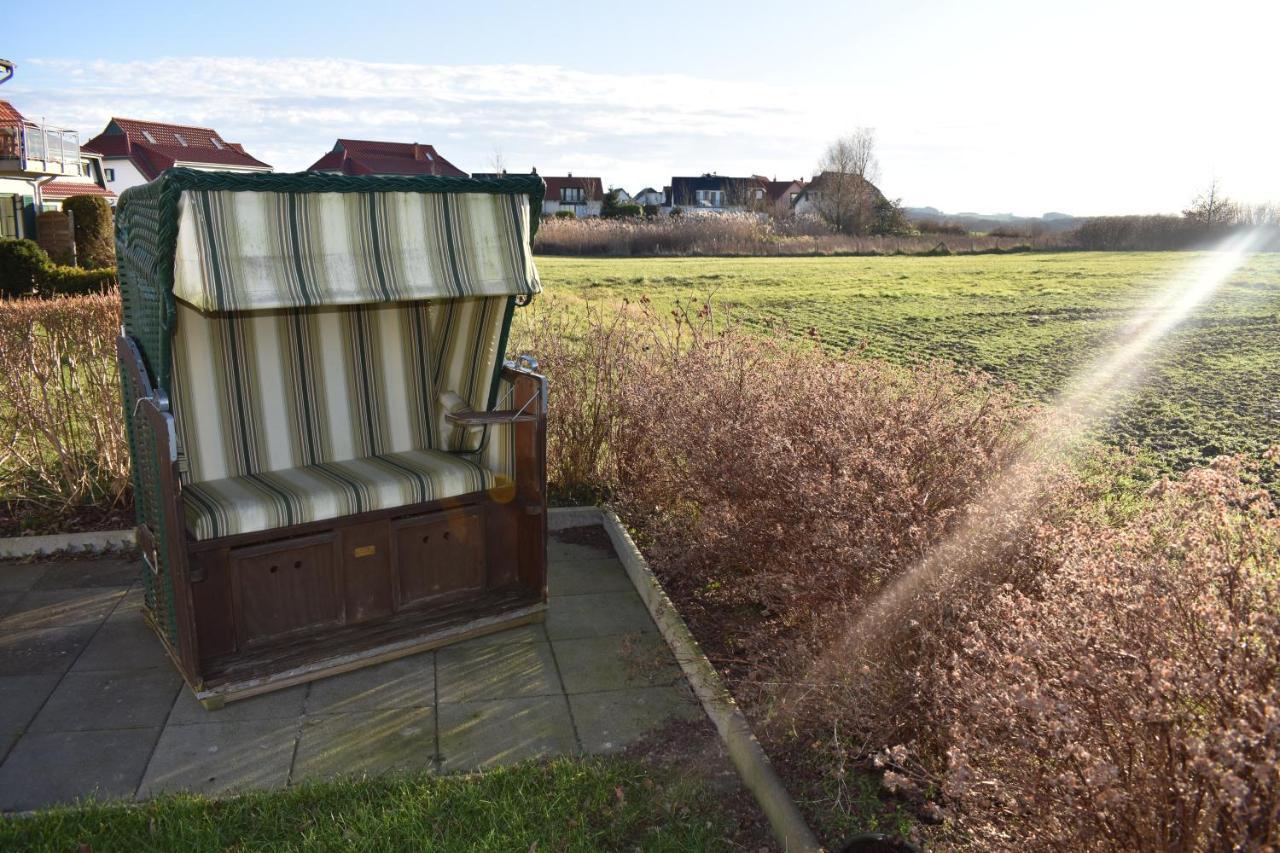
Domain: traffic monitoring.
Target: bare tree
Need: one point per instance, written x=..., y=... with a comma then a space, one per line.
x=844, y=192
x=497, y=162
x=1212, y=208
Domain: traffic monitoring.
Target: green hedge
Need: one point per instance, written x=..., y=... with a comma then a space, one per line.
x=94, y=233
x=25, y=270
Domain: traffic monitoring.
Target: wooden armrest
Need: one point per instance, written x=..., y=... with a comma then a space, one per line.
x=470, y=417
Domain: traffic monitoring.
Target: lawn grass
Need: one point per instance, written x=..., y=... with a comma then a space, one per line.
x=567, y=804
x=1032, y=319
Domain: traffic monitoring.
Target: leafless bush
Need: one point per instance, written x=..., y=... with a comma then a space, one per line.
x=749, y=234
x=1132, y=703
x=62, y=441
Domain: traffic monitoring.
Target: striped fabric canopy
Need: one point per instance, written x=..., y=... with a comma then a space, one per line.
x=241, y=250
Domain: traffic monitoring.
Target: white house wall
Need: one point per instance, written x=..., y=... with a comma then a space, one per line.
x=127, y=174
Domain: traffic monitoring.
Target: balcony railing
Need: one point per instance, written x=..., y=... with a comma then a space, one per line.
x=40, y=148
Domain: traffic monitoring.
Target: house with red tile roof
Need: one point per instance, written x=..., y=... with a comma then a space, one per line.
x=583, y=196
x=134, y=152
x=40, y=166
x=370, y=157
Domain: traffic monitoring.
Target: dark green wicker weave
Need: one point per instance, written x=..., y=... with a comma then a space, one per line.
x=146, y=241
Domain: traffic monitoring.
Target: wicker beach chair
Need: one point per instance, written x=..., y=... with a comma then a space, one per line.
x=333, y=466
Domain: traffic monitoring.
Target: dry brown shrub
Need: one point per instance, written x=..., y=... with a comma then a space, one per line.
x=62, y=442
x=1133, y=702
x=751, y=234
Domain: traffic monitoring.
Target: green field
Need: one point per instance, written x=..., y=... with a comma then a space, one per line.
x=1212, y=386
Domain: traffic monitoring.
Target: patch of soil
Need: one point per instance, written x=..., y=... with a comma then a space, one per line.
x=694, y=751
x=22, y=520
x=590, y=536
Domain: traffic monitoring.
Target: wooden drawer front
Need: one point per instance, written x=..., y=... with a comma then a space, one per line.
x=286, y=586
x=366, y=569
x=438, y=554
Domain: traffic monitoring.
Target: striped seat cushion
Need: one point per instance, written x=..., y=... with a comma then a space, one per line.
x=268, y=500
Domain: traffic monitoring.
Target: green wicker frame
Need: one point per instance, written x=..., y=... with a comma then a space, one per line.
x=146, y=242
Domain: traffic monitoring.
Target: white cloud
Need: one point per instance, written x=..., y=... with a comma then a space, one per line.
x=1094, y=143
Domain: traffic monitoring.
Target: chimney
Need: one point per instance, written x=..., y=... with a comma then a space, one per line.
x=571, y=174
x=417, y=152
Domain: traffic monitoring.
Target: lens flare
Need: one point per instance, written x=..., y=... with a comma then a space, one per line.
x=997, y=515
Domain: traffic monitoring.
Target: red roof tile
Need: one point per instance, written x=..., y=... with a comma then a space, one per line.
x=8, y=114
x=371, y=157
x=57, y=190
x=592, y=188
x=155, y=146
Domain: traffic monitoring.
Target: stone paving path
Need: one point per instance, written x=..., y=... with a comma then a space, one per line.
x=90, y=705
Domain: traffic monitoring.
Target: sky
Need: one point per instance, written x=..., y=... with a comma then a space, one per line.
x=1081, y=107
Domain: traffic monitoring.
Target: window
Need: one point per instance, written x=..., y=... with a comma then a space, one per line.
x=180, y=139
x=215, y=142
x=759, y=194
x=794, y=196
x=571, y=195
x=147, y=135
x=9, y=215
x=710, y=198
x=111, y=175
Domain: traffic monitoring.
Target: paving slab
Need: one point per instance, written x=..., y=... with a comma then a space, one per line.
x=598, y=615
x=533, y=633
x=576, y=577
x=221, y=757
x=591, y=664
x=559, y=552
x=61, y=767
x=89, y=702
x=21, y=697
x=405, y=683
x=125, y=641
x=366, y=742
x=111, y=699
x=277, y=705
x=60, y=608
x=496, y=672
x=48, y=651
x=81, y=574
x=20, y=577
x=613, y=720
x=476, y=735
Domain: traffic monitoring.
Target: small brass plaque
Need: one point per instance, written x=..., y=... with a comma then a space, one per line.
x=365, y=551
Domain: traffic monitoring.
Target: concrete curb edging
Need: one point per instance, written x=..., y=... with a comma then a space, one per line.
x=757, y=773
x=90, y=542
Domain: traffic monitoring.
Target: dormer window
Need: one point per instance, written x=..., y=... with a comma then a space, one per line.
x=213, y=140
x=181, y=140
x=146, y=134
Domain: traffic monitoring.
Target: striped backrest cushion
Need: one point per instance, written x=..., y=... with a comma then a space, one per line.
x=466, y=334
x=268, y=390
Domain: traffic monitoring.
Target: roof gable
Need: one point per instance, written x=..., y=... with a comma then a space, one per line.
x=155, y=146
x=374, y=157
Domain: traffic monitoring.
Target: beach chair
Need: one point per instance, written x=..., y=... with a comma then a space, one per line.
x=333, y=466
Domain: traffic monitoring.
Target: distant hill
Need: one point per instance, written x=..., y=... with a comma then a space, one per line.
x=983, y=222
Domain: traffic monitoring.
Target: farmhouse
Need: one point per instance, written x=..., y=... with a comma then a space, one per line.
x=134, y=152
x=370, y=157
x=582, y=196
x=835, y=184
x=650, y=196
x=782, y=196
x=40, y=165
x=718, y=193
